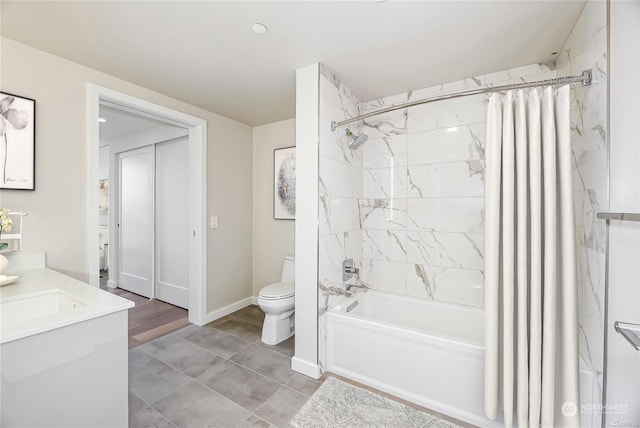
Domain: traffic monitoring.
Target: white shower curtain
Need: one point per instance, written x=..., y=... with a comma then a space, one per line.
x=531, y=301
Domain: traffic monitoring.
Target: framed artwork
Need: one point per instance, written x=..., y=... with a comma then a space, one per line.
x=103, y=196
x=17, y=142
x=284, y=183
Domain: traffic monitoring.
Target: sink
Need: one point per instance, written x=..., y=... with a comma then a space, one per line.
x=26, y=307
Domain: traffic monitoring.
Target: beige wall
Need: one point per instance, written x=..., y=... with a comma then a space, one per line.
x=272, y=239
x=57, y=219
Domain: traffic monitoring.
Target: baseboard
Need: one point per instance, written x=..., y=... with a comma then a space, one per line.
x=112, y=284
x=306, y=368
x=219, y=313
x=255, y=300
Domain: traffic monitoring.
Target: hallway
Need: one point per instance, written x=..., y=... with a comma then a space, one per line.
x=150, y=318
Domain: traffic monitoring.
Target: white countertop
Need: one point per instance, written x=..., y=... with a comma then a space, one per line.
x=95, y=302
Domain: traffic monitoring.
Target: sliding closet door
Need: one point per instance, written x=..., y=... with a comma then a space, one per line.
x=135, y=221
x=172, y=222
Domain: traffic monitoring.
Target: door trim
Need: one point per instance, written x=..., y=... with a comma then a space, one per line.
x=197, y=128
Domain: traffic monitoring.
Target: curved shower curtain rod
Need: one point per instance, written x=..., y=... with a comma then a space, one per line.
x=585, y=78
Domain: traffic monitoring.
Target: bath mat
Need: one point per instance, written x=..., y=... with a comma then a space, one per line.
x=339, y=404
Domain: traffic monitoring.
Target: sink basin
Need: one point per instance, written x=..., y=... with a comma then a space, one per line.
x=18, y=309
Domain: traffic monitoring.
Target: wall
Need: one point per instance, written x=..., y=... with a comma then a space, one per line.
x=306, y=233
x=623, y=362
x=587, y=48
x=340, y=181
x=57, y=220
x=272, y=239
x=340, y=190
x=423, y=192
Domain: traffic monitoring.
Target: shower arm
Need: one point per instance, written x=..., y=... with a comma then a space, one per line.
x=586, y=78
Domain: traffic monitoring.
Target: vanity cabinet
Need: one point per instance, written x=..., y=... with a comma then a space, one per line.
x=63, y=353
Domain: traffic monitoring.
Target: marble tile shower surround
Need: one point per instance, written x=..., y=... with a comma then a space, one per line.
x=408, y=205
x=340, y=190
x=587, y=48
x=422, y=207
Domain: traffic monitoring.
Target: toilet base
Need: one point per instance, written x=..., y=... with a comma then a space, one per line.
x=277, y=328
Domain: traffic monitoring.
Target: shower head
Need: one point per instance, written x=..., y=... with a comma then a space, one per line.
x=358, y=140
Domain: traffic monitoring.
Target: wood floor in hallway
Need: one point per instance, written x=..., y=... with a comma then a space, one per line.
x=149, y=318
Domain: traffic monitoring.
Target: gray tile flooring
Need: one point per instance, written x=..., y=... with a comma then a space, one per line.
x=218, y=375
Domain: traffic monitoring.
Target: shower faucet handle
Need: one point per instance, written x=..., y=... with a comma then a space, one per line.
x=349, y=269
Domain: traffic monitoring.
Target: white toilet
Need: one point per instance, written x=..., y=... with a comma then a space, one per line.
x=277, y=301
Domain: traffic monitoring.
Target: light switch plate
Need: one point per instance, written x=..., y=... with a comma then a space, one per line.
x=214, y=222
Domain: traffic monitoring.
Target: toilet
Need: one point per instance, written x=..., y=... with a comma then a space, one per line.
x=277, y=302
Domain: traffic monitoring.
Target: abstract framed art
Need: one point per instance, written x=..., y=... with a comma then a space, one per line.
x=284, y=183
x=17, y=142
x=103, y=196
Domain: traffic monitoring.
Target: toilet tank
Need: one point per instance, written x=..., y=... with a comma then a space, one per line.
x=289, y=269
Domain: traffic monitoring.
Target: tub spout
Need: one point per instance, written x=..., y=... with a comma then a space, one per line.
x=362, y=286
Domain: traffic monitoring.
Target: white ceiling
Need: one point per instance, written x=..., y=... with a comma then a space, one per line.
x=204, y=52
x=120, y=123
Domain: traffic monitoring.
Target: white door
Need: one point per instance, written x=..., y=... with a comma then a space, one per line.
x=172, y=222
x=136, y=173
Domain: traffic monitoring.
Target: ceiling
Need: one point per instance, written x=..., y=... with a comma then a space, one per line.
x=119, y=123
x=204, y=52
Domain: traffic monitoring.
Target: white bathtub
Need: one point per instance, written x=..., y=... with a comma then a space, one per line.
x=428, y=353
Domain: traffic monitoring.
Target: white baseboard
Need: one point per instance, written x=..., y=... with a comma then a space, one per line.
x=255, y=300
x=219, y=313
x=306, y=368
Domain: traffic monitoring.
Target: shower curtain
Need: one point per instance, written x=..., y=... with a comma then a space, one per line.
x=531, y=300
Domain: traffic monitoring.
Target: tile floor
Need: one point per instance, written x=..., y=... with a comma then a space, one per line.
x=216, y=375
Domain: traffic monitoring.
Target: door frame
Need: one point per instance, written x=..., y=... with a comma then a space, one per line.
x=197, y=128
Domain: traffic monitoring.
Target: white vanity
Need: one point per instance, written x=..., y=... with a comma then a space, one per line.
x=63, y=350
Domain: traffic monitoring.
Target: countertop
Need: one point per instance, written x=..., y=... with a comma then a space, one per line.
x=95, y=302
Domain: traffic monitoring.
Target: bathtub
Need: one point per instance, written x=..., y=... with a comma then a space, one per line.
x=425, y=352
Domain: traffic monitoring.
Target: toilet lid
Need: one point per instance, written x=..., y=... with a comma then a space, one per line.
x=278, y=290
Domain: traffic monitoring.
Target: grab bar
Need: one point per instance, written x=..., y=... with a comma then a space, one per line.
x=619, y=216
x=629, y=331
x=351, y=306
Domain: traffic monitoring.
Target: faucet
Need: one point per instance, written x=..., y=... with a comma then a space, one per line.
x=349, y=269
x=365, y=287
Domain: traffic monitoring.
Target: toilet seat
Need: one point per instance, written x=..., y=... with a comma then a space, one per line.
x=276, y=291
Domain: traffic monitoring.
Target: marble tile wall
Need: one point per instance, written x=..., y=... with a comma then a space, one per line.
x=422, y=207
x=587, y=48
x=340, y=190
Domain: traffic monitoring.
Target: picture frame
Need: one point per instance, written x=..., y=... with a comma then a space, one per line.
x=17, y=142
x=103, y=196
x=284, y=183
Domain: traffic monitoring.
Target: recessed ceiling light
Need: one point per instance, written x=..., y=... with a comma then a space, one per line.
x=452, y=129
x=259, y=28
x=102, y=120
